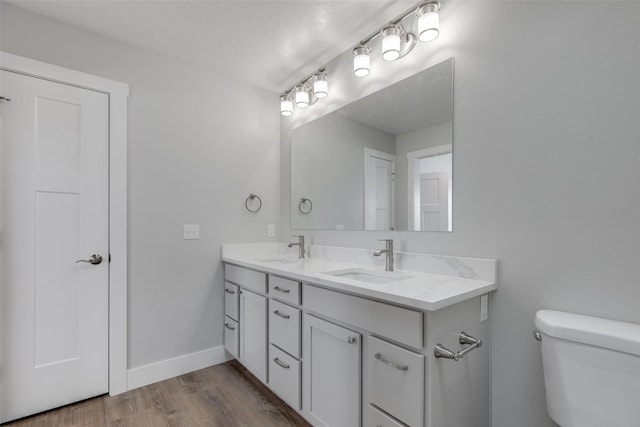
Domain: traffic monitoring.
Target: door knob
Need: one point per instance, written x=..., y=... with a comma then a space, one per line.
x=94, y=259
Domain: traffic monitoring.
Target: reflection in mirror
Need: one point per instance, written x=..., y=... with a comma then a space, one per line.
x=383, y=162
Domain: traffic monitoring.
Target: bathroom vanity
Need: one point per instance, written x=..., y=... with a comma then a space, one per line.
x=346, y=343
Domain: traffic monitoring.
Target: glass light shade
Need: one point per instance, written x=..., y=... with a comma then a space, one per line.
x=428, y=22
x=391, y=47
x=302, y=96
x=361, y=61
x=286, y=105
x=320, y=85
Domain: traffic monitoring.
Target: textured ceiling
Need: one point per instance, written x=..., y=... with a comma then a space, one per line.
x=268, y=43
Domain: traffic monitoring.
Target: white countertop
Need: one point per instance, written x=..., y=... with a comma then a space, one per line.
x=419, y=289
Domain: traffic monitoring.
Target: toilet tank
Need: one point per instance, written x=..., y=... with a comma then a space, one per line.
x=591, y=369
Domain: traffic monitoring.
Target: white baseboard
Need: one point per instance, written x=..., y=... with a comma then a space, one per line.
x=169, y=368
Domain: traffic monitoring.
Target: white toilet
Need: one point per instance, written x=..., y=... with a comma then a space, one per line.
x=591, y=369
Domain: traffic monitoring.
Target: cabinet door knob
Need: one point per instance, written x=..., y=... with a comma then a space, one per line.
x=352, y=340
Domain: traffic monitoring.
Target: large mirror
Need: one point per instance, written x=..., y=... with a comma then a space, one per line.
x=383, y=162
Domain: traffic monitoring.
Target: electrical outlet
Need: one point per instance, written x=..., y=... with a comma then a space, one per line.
x=271, y=230
x=191, y=231
x=484, y=307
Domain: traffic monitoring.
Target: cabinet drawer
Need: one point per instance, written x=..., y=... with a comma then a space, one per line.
x=375, y=418
x=231, y=332
x=231, y=300
x=284, y=327
x=396, y=378
x=400, y=324
x=284, y=376
x=246, y=278
x=284, y=289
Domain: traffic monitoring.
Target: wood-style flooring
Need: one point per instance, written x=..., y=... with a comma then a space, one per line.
x=222, y=395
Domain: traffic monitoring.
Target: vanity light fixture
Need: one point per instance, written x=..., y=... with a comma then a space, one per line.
x=304, y=93
x=396, y=42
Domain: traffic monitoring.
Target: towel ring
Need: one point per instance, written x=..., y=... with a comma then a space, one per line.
x=302, y=204
x=251, y=197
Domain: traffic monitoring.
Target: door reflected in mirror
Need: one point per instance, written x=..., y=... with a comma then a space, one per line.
x=383, y=162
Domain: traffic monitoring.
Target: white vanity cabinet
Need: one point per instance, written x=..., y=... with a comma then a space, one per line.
x=343, y=359
x=332, y=371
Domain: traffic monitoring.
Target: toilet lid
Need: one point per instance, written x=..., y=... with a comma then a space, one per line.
x=606, y=333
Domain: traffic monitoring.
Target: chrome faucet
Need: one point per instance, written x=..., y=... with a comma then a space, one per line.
x=300, y=244
x=387, y=250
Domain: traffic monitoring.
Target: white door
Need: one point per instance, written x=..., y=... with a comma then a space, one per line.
x=253, y=333
x=54, y=178
x=379, y=173
x=332, y=365
x=434, y=201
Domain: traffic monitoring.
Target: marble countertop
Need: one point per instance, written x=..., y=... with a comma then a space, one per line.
x=451, y=279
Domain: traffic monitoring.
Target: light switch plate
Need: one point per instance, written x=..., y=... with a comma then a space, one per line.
x=191, y=231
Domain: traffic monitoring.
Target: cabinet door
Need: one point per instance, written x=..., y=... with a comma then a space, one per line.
x=332, y=374
x=253, y=333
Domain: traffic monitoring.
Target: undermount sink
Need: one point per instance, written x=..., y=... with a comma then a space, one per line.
x=278, y=260
x=369, y=276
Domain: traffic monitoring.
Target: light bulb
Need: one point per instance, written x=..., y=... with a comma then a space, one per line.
x=361, y=61
x=428, y=22
x=390, y=43
x=320, y=85
x=302, y=96
x=286, y=105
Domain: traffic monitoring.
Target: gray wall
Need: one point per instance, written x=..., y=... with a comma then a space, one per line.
x=329, y=170
x=546, y=172
x=199, y=143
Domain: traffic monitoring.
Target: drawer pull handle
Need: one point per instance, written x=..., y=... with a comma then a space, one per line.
x=381, y=358
x=284, y=316
x=279, y=289
x=229, y=291
x=226, y=325
x=281, y=363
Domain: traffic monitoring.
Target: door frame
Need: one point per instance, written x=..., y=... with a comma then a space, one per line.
x=368, y=217
x=118, y=94
x=413, y=177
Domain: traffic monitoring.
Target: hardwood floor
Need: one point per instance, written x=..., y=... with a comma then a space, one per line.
x=222, y=395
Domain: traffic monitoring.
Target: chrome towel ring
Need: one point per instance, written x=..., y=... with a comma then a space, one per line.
x=251, y=198
x=305, y=206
